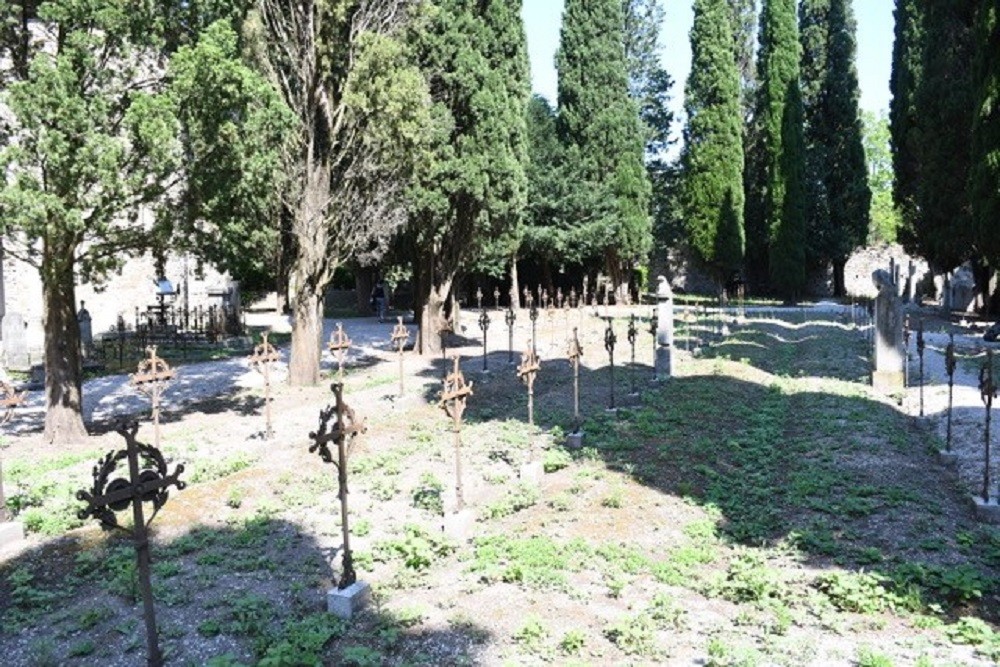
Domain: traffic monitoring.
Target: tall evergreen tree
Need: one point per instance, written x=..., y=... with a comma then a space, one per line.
x=941, y=229
x=984, y=183
x=838, y=196
x=744, y=40
x=712, y=162
x=781, y=190
x=907, y=71
x=600, y=128
x=474, y=54
x=649, y=82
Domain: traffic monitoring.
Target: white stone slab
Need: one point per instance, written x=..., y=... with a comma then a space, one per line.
x=345, y=603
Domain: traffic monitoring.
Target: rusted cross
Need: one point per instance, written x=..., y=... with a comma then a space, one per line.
x=150, y=484
x=920, y=354
x=479, y=298
x=575, y=353
x=609, y=344
x=151, y=378
x=527, y=371
x=496, y=298
x=400, y=336
x=632, y=334
x=987, y=391
x=510, y=318
x=338, y=345
x=346, y=426
x=949, y=365
x=454, y=396
x=263, y=358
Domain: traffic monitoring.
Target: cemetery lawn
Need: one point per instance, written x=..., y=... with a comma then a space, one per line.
x=763, y=507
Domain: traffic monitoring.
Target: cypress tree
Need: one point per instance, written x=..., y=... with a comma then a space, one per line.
x=600, y=128
x=941, y=230
x=472, y=192
x=782, y=148
x=838, y=196
x=984, y=182
x=712, y=162
x=907, y=70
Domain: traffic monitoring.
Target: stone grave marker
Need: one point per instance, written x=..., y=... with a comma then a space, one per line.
x=888, y=370
x=15, y=343
x=665, y=329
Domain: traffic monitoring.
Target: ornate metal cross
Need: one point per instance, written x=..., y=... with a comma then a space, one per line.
x=346, y=426
x=510, y=317
x=906, y=351
x=527, y=371
x=151, y=378
x=454, y=395
x=149, y=485
x=949, y=365
x=609, y=344
x=575, y=353
x=400, y=336
x=632, y=334
x=338, y=345
x=920, y=354
x=987, y=391
x=484, y=326
x=263, y=357
x=9, y=399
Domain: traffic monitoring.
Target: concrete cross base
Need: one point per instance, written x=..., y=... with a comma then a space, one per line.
x=987, y=512
x=948, y=459
x=888, y=381
x=458, y=525
x=574, y=440
x=345, y=603
x=530, y=472
x=11, y=532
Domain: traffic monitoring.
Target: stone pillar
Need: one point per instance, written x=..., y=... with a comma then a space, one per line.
x=664, y=329
x=889, y=353
x=86, y=331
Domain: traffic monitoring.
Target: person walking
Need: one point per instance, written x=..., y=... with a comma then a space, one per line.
x=378, y=298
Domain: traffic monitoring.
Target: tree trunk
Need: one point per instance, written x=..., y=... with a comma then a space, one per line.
x=432, y=319
x=63, y=396
x=839, y=284
x=310, y=274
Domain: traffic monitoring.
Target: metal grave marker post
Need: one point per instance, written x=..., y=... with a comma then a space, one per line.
x=479, y=298
x=573, y=301
x=560, y=298
x=987, y=391
x=9, y=399
x=906, y=348
x=400, y=336
x=533, y=316
x=575, y=352
x=496, y=298
x=338, y=345
x=151, y=378
x=526, y=296
x=345, y=428
x=632, y=333
x=510, y=317
x=454, y=396
x=527, y=371
x=949, y=365
x=263, y=358
x=920, y=354
x=484, y=326
x=148, y=485
x=609, y=344
x=654, y=323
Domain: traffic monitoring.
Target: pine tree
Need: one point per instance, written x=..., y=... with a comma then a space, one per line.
x=984, y=182
x=838, y=197
x=474, y=55
x=782, y=148
x=600, y=129
x=712, y=162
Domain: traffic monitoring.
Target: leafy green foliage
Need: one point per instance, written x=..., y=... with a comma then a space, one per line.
x=985, y=169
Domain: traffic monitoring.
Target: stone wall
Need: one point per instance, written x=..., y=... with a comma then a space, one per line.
x=864, y=261
x=121, y=294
